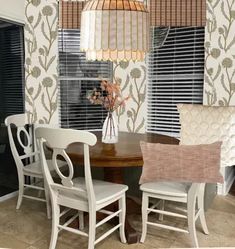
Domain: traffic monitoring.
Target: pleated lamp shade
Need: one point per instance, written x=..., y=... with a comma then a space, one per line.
x=115, y=30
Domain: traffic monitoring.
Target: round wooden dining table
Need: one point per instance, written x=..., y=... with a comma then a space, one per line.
x=114, y=158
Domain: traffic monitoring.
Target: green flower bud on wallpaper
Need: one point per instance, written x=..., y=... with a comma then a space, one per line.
x=36, y=72
x=207, y=44
x=30, y=19
x=124, y=64
x=31, y=91
x=233, y=87
x=36, y=2
x=53, y=34
x=215, y=53
x=47, y=11
x=210, y=71
x=47, y=82
x=227, y=63
x=135, y=73
x=129, y=114
x=53, y=106
x=221, y=31
x=41, y=51
x=233, y=14
x=28, y=61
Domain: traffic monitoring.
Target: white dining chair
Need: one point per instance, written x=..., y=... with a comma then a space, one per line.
x=191, y=194
x=27, y=160
x=82, y=194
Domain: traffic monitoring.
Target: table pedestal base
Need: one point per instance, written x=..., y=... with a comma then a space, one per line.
x=115, y=175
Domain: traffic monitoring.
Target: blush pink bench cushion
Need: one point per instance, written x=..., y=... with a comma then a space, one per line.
x=181, y=163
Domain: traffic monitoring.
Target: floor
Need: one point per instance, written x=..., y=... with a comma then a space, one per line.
x=29, y=228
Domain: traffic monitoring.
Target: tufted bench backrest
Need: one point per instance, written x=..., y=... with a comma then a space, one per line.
x=208, y=124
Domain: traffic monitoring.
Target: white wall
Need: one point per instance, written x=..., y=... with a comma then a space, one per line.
x=12, y=10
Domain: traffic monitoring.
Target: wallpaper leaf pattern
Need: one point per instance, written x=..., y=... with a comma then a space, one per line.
x=220, y=53
x=132, y=78
x=41, y=51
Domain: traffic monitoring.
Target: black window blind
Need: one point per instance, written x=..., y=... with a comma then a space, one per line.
x=11, y=70
x=175, y=75
x=78, y=77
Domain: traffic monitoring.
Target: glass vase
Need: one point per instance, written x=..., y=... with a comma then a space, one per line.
x=110, y=130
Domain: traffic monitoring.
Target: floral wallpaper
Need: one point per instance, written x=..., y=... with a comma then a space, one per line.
x=41, y=51
x=220, y=53
x=41, y=61
x=219, y=87
x=132, y=77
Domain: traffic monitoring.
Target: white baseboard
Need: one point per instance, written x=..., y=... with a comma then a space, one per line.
x=223, y=189
x=9, y=196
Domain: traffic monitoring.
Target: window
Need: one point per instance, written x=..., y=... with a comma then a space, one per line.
x=77, y=78
x=11, y=97
x=11, y=70
x=175, y=75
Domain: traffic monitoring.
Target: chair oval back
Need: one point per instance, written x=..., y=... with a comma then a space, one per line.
x=27, y=144
x=23, y=137
x=66, y=181
x=58, y=140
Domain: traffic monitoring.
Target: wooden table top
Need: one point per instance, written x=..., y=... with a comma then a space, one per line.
x=125, y=153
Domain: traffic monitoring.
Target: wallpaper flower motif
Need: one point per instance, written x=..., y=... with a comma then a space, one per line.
x=220, y=53
x=41, y=52
x=132, y=77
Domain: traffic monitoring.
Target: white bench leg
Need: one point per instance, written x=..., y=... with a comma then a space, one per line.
x=202, y=214
x=162, y=207
x=81, y=220
x=191, y=220
x=122, y=218
x=144, y=217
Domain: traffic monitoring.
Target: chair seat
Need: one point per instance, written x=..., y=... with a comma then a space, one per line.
x=104, y=191
x=166, y=188
x=36, y=168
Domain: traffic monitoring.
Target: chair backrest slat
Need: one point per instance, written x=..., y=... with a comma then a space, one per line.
x=58, y=140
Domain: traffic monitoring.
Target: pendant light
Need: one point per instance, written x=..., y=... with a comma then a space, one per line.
x=115, y=30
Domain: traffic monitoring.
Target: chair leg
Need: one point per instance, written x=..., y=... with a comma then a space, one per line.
x=162, y=208
x=122, y=218
x=21, y=192
x=81, y=220
x=202, y=213
x=48, y=201
x=144, y=217
x=55, y=223
x=40, y=192
x=92, y=228
x=192, y=221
